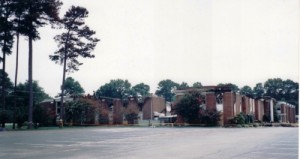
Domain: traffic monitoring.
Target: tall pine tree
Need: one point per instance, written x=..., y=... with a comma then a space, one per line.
x=77, y=40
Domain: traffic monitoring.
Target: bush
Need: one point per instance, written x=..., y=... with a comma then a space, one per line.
x=5, y=116
x=40, y=116
x=238, y=119
x=256, y=125
x=103, y=116
x=266, y=118
x=238, y=126
x=131, y=113
x=209, y=117
x=188, y=108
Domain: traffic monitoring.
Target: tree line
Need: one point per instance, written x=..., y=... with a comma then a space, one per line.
x=283, y=90
x=24, y=17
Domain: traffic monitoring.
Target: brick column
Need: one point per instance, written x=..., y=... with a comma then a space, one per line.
x=267, y=109
x=282, y=112
x=238, y=103
x=117, y=112
x=228, y=106
x=257, y=110
x=245, y=105
x=211, y=102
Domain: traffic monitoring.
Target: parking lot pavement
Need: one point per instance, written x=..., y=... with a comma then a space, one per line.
x=284, y=147
x=99, y=142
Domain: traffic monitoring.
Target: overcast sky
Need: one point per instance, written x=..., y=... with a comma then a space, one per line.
x=209, y=41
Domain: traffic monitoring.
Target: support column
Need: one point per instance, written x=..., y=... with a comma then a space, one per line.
x=271, y=111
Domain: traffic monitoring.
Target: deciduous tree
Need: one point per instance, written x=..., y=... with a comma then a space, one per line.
x=247, y=91
x=165, y=89
x=188, y=108
x=4, y=115
x=183, y=85
x=115, y=89
x=197, y=85
x=141, y=89
x=259, y=90
x=73, y=87
x=6, y=41
x=233, y=87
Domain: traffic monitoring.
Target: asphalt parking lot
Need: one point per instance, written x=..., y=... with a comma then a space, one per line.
x=127, y=142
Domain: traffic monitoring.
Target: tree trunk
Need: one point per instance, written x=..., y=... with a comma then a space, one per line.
x=16, y=81
x=3, y=84
x=62, y=108
x=30, y=83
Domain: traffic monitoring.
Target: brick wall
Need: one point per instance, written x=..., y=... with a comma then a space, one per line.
x=158, y=105
x=245, y=105
x=259, y=110
x=211, y=102
x=117, y=112
x=238, y=104
x=228, y=103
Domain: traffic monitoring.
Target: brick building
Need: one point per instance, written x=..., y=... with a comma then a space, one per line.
x=231, y=104
x=286, y=112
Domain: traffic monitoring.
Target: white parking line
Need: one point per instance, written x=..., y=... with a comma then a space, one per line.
x=274, y=153
x=284, y=144
x=278, y=148
x=70, y=150
x=40, y=145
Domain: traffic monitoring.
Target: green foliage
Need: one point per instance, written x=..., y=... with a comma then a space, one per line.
x=239, y=119
x=165, y=88
x=7, y=82
x=131, y=113
x=266, y=118
x=41, y=116
x=234, y=87
x=183, y=86
x=76, y=40
x=188, y=108
x=259, y=90
x=33, y=14
x=283, y=90
x=72, y=87
x=6, y=27
x=103, y=116
x=83, y=111
x=5, y=116
x=141, y=89
x=115, y=89
x=38, y=92
x=197, y=85
x=209, y=117
x=247, y=91
x=76, y=111
x=22, y=96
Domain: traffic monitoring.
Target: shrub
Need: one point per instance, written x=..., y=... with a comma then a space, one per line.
x=255, y=124
x=238, y=119
x=5, y=116
x=266, y=118
x=238, y=126
x=131, y=113
x=188, y=108
x=209, y=117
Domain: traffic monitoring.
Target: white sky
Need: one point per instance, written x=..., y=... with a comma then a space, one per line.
x=211, y=41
